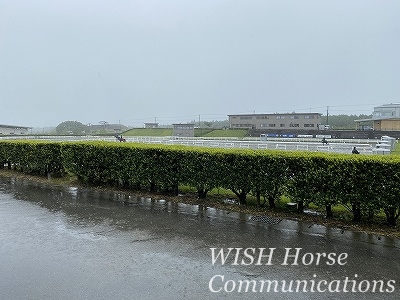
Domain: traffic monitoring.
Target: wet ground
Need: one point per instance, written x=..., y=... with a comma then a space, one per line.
x=76, y=243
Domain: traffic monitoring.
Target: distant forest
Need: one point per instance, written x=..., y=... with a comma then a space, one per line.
x=344, y=121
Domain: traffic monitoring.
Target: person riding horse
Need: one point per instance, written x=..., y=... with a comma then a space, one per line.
x=120, y=138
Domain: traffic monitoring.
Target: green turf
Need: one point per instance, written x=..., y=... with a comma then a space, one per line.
x=237, y=133
x=397, y=150
x=148, y=132
x=198, y=132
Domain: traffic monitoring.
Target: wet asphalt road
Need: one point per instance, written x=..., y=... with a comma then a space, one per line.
x=75, y=243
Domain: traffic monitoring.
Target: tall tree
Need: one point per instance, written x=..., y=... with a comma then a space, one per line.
x=344, y=121
x=71, y=127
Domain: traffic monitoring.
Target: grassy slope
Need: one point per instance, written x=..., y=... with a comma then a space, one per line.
x=148, y=132
x=201, y=132
x=198, y=132
x=237, y=133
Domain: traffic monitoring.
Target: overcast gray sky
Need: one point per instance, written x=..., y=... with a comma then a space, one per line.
x=172, y=61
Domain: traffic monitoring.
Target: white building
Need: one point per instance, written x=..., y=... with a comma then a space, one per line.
x=13, y=130
x=385, y=117
x=150, y=125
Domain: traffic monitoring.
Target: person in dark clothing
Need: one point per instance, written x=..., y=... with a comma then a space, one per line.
x=120, y=138
x=355, y=151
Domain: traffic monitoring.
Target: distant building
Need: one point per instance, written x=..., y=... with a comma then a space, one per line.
x=107, y=128
x=13, y=130
x=150, y=125
x=183, y=130
x=384, y=118
x=292, y=121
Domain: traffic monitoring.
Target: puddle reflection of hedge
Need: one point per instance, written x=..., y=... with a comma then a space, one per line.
x=365, y=184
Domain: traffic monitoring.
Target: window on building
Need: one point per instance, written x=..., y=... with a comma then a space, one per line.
x=246, y=117
x=308, y=117
x=282, y=125
x=271, y=125
x=294, y=117
x=294, y=125
x=308, y=125
x=280, y=117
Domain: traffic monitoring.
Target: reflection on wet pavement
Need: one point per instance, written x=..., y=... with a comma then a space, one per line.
x=80, y=243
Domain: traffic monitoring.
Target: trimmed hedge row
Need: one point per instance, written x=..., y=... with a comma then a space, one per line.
x=40, y=158
x=363, y=184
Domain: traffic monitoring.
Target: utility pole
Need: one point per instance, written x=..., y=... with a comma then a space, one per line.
x=327, y=115
x=104, y=123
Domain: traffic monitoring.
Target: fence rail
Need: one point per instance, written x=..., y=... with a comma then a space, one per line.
x=290, y=144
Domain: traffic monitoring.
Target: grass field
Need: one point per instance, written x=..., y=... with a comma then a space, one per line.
x=198, y=132
x=397, y=150
x=201, y=132
x=148, y=132
x=237, y=133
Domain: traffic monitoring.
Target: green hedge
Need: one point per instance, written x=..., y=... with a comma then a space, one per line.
x=363, y=184
x=41, y=158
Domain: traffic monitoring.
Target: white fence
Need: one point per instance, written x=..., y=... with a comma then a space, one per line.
x=336, y=147
x=290, y=144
